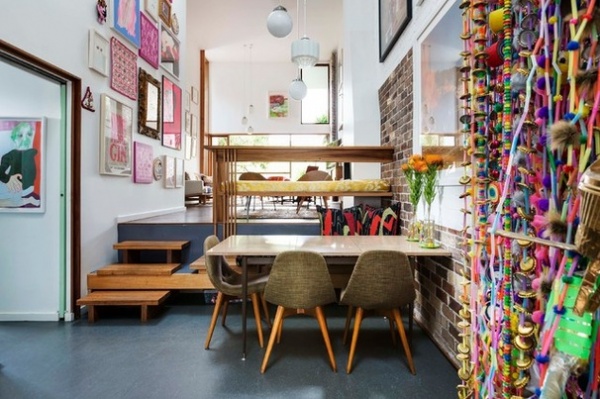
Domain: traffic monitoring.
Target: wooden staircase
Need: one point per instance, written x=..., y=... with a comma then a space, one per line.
x=141, y=284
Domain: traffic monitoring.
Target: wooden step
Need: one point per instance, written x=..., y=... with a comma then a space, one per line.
x=131, y=249
x=175, y=281
x=139, y=269
x=200, y=264
x=152, y=245
x=122, y=298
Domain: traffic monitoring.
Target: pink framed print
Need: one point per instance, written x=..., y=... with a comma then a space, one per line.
x=149, y=42
x=171, y=107
x=116, y=131
x=142, y=163
x=123, y=69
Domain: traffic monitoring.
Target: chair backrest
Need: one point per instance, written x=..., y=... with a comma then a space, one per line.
x=218, y=275
x=299, y=280
x=380, y=280
x=251, y=176
x=315, y=175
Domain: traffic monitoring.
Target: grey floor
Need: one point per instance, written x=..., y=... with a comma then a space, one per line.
x=118, y=357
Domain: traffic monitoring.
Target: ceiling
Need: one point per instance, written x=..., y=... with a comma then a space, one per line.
x=223, y=27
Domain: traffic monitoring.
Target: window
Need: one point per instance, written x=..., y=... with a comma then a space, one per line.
x=315, y=106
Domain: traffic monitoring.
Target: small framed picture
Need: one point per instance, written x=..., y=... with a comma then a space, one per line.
x=188, y=147
x=278, y=104
x=195, y=95
x=194, y=123
x=169, y=172
x=169, y=52
x=98, y=53
x=149, y=41
x=151, y=7
x=188, y=122
x=186, y=101
x=164, y=12
x=179, y=172
x=126, y=20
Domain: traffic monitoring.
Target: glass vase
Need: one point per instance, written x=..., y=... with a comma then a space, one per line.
x=427, y=239
x=414, y=228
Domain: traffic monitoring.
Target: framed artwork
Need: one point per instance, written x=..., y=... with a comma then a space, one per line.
x=171, y=107
x=164, y=12
x=98, y=52
x=157, y=168
x=278, y=104
x=186, y=100
x=188, y=146
x=179, y=172
x=188, y=122
x=149, y=41
x=126, y=19
x=151, y=7
x=195, y=95
x=22, y=166
x=169, y=52
x=194, y=123
x=394, y=16
x=116, y=130
x=142, y=163
x=194, y=146
x=169, y=171
x=123, y=69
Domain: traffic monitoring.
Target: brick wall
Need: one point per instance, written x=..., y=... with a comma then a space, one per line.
x=438, y=279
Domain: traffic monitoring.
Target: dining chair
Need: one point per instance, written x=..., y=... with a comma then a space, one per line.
x=313, y=175
x=299, y=284
x=381, y=282
x=228, y=283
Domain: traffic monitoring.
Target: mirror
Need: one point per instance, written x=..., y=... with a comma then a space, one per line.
x=149, y=101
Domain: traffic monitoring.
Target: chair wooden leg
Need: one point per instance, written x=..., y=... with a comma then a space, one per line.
x=347, y=325
x=398, y=320
x=225, y=307
x=265, y=306
x=272, y=337
x=323, y=324
x=357, y=322
x=255, y=306
x=213, y=320
x=392, y=331
x=411, y=315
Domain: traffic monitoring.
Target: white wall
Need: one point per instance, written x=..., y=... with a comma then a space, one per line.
x=228, y=100
x=57, y=32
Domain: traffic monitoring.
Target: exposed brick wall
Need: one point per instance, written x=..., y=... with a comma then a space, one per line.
x=438, y=279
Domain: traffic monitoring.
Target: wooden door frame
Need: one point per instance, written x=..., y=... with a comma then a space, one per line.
x=36, y=64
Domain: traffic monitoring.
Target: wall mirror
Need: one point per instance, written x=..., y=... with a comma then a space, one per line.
x=149, y=105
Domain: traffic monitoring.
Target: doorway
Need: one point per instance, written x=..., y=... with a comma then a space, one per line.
x=39, y=254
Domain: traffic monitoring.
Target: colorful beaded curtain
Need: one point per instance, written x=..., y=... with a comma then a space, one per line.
x=529, y=104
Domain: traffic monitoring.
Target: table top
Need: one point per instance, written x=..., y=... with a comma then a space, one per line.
x=271, y=245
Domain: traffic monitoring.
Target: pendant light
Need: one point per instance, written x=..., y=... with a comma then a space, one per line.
x=298, y=88
x=305, y=52
x=250, y=130
x=279, y=22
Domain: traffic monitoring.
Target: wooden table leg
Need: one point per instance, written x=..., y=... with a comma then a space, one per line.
x=91, y=313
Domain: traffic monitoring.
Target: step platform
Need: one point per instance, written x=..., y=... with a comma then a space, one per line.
x=144, y=299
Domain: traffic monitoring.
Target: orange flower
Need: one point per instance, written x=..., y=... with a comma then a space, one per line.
x=405, y=167
x=434, y=160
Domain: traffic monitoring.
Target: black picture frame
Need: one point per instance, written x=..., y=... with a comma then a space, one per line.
x=394, y=16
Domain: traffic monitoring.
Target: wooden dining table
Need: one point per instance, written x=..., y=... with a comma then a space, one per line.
x=262, y=249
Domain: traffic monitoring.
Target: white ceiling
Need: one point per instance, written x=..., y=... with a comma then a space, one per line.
x=223, y=27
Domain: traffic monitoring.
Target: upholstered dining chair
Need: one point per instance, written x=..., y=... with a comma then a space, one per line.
x=313, y=175
x=228, y=284
x=299, y=283
x=382, y=282
x=252, y=176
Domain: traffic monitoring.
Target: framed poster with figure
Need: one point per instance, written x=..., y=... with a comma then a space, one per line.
x=22, y=166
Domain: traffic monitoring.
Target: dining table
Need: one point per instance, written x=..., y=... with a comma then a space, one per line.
x=262, y=249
